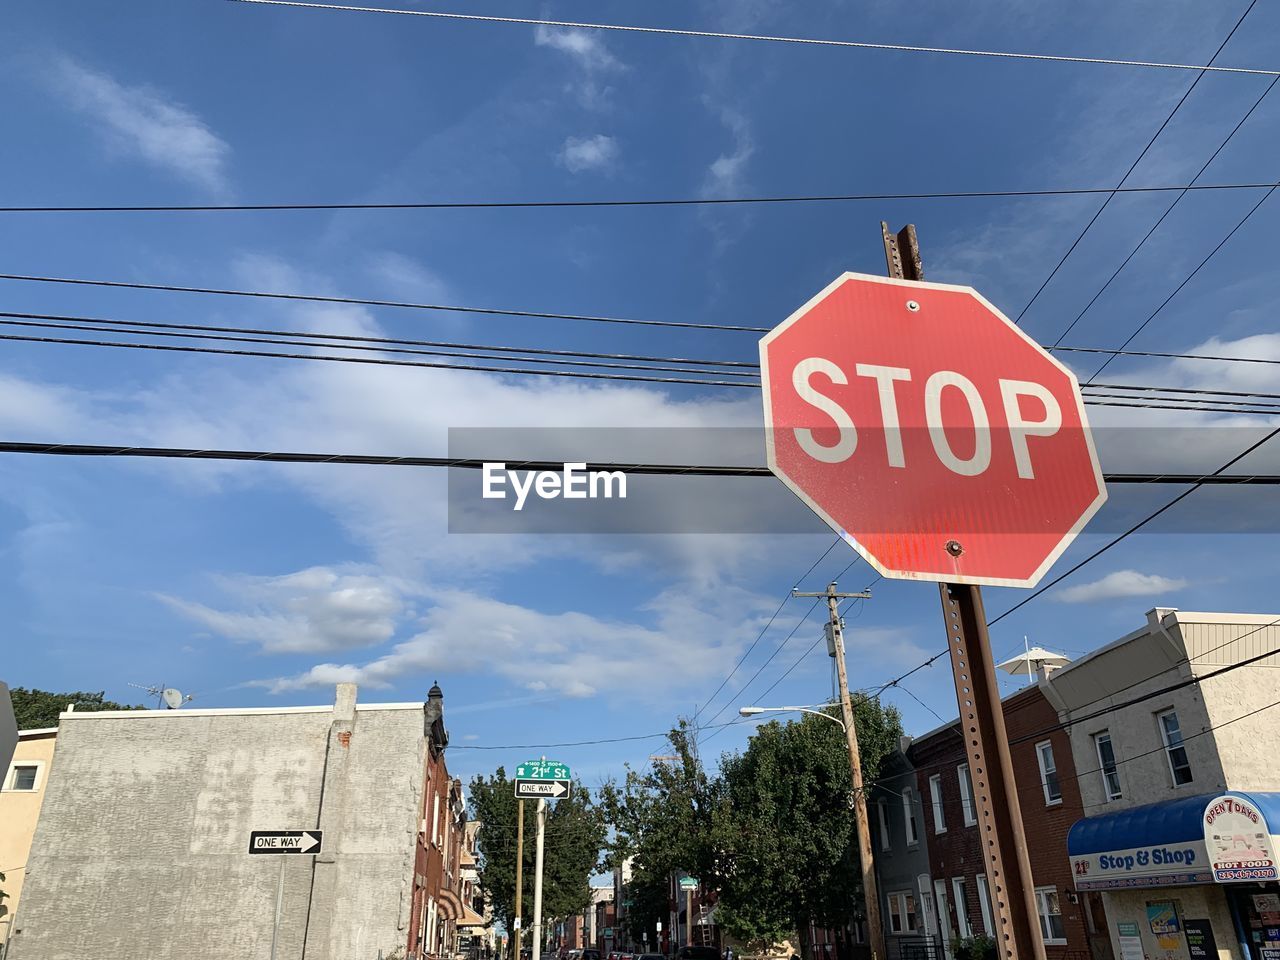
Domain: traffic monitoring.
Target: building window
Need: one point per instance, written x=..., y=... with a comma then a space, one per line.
x=23, y=778
x=935, y=797
x=909, y=818
x=885, y=840
x=435, y=819
x=1107, y=765
x=1171, y=731
x=984, y=904
x=902, y=912
x=966, y=794
x=1051, y=927
x=1048, y=774
x=962, y=907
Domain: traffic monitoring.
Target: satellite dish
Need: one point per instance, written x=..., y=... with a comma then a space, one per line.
x=173, y=698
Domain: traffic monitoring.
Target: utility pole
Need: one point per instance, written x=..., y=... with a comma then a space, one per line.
x=519, y=871
x=1013, y=897
x=537, y=882
x=875, y=932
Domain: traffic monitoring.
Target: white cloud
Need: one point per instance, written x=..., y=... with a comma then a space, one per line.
x=145, y=123
x=726, y=174
x=318, y=610
x=592, y=60
x=576, y=654
x=589, y=153
x=1121, y=583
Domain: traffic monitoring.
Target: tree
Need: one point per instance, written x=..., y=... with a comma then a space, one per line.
x=783, y=830
x=36, y=709
x=575, y=834
x=661, y=821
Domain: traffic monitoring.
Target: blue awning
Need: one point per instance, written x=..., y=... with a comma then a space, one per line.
x=1208, y=837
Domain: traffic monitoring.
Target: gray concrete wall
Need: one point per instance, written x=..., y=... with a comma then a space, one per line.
x=142, y=843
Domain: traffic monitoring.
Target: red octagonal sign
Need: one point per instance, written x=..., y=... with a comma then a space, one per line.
x=930, y=432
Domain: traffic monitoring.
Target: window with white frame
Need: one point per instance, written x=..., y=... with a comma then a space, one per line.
x=885, y=840
x=1107, y=765
x=1050, y=911
x=909, y=817
x=435, y=819
x=935, y=798
x=1171, y=733
x=966, y=795
x=962, y=907
x=1048, y=773
x=984, y=904
x=902, y=912
x=24, y=777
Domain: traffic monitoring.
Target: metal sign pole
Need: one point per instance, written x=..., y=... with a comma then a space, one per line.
x=519, y=870
x=537, y=882
x=275, y=926
x=995, y=795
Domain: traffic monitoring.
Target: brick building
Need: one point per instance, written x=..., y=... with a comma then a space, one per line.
x=957, y=900
x=438, y=905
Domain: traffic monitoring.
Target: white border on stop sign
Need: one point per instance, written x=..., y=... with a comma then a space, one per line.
x=771, y=454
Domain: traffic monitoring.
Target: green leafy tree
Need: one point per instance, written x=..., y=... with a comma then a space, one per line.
x=783, y=830
x=575, y=836
x=3, y=897
x=661, y=820
x=36, y=709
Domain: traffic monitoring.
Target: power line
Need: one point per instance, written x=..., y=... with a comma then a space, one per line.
x=1168, y=210
x=1143, y=325
x=370, y=302
x=475, y=463
x=1155, y=354
x=378, y=344
x=764, y=630
x=633, y=202
x=375, y=361
x=809, y=41
x=1165, y=403
x=1133, y=166
x=1133, y=529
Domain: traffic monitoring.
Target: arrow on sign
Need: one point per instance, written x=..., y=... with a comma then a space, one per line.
x=285, y=841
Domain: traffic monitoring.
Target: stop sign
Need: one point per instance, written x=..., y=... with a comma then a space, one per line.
x=929, y=431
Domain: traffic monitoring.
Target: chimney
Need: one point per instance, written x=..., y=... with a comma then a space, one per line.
x=433, y=718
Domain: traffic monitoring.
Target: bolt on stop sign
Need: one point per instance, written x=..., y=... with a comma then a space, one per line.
x=931, y=433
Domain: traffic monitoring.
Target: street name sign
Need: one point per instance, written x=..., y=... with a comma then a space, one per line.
x=688, y=883
x=285, y=841
x=543, y=770
x=929, y=431
x=542, y=789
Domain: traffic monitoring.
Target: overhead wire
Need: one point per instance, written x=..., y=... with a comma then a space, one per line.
x=1133, y=166
x=631, y=202
x=1163, y=216
x=719, y=35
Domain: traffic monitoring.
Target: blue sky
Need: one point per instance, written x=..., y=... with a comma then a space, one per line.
x=250, y=584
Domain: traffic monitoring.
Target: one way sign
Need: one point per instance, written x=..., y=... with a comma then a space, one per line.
x=285, y=841
x=542, y=789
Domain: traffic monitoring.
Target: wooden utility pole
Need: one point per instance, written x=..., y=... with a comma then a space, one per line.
x=519, y=871
x=1013, y=897
x=870, y=893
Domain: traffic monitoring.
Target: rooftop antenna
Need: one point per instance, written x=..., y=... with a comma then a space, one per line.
x=171, y=698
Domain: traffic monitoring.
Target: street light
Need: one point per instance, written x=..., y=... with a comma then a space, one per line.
x=752, y=711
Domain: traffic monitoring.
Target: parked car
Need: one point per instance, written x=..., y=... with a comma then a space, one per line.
x=590, y=955
x=698, y=953
x=650, y=956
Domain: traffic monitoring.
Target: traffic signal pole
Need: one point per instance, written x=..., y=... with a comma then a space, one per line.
x=870, y=893
x=1013, y=897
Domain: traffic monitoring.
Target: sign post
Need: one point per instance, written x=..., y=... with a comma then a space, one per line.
x=943, y=444
x=281, y=843
x=539, y=780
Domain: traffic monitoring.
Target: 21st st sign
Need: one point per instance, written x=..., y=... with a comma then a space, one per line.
x=929, y=431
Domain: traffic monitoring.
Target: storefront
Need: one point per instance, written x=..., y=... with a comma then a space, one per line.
x=1188, y=879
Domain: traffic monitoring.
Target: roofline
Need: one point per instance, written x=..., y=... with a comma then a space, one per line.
x=41, y=732
x=223, y=711
x=918, y=738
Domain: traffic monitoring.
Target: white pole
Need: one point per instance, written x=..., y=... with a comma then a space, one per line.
x=275, y=926
x=537, y=882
